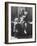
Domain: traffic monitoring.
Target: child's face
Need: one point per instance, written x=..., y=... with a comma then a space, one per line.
x=16, y=19
x=21, y=18
x=25, y=12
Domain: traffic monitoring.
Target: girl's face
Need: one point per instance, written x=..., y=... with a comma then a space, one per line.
x=25, y=13
x=16, y=19
x=21, y=18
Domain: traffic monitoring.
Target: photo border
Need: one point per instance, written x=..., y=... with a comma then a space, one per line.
x=6, y=22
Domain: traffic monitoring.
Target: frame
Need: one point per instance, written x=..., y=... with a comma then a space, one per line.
x=15, y=12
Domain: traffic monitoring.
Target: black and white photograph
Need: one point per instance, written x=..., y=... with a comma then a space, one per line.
x=21, y=23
